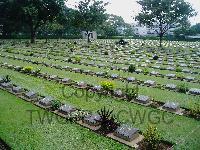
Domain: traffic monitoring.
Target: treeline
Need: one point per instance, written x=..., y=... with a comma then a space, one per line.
x=53, y=19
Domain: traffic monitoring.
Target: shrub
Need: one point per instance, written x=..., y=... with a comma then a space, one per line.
x=132, y=93
x=56, y=104
x=6, y=79
x=36, y=72
x=108, y=121
x=69, y=60
x=183, y=88
x=145, y=71
x=107, y=85
x=28, y=69
x=152, y=137
x=31, y=54
x=131, y=68
x=155, y=57
x=195, y=109
x=77, y=59
x=178, y=69
x=179, y=76
x=77, y=115
x=132, y=52
x=105, y=53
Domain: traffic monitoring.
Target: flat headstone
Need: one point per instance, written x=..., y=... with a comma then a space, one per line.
x=114, y=76
x=186, y=71
x=150, y=83
x=97, y=88
x=194, y=91
x=66, y=80
x=31, y=95
x=47, y=101
x=126, y=132
x=170, y=68
x=17, y=89
x=6, y=85
x=92, y=120
x=138, y=70
x=170, y=75
x=66, y=109
x=81, y=84
x=154, y=73
x=130, y=79
x=78, y=70
x=189, y=78
x=170, y=86
x=143, y=99
x=171, y=106
x=118, y=93
x=100, y=73
x=53, y=77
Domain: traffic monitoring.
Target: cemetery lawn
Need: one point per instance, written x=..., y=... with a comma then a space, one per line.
x=183, y=130
x=161, y=95
x=16, y=129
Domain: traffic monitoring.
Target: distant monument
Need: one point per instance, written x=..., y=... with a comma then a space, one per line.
x=93, y=35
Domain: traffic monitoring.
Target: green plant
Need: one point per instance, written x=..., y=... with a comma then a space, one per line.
x=195, y=109
x=108, y=121
x=178, y=69
x=77, y=115
x=183, y=88
x=131, y=68
x=6, y=79
x=56, y=104
x=77, y=59
x=105, y=53
x=145, y=71
x=28, y=69
x=36, y=72
x=179, y=76
x=107, y=85
x=69, y=60
x=132, y=93
x=152, y=137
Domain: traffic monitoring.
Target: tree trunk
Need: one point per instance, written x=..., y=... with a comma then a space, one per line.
x=161, y=38
x=33, y=34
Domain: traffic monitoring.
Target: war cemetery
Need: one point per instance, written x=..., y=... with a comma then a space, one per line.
x=74, y=76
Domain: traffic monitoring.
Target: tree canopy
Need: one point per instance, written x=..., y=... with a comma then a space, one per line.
x=164, y=13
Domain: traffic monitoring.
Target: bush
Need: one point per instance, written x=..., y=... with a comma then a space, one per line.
x=179, y=76
x=105, y=53
x=107, y=85
x=6, y=79
x=152, y=137
x=155, y=57
x=28, y=69
x=145, y=71
x=77, y=115
x=195, y=109
x=108, y=121
x=131, y=68
x=77, y=59
x=183, y=88
x=56, y=104
x=178, y=69
x=69, y=60
x=36, y=72
x=132, y=93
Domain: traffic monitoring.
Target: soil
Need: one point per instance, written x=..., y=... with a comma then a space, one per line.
x=3, y=145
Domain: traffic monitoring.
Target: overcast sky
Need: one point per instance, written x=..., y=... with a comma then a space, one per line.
x=129, y=8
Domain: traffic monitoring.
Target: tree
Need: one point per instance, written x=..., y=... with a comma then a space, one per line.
x=36, y=13
x=164, y=13
x=90, y=15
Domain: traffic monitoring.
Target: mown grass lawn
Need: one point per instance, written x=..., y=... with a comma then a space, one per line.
x=183, y=130
x=161, y=95
x=16, y=129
